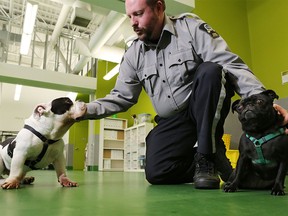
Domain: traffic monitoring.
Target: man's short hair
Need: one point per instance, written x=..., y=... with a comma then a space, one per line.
x=152, y=3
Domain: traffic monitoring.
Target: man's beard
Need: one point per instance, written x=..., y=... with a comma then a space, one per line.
x=143, y=34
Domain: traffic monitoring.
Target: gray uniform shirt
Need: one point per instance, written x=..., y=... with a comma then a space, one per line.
x=165, y=70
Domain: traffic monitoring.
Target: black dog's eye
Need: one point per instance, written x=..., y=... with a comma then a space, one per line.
x=239, y=108
x=260, y=102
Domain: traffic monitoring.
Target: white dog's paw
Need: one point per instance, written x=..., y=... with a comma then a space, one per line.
x=11, y=184
x=66, y=182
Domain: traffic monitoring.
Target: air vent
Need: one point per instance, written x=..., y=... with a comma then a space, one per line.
x=81, y=17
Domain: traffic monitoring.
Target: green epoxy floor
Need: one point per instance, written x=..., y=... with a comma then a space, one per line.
x=125, y=194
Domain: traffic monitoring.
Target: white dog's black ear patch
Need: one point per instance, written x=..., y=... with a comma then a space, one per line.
x=205, y=27
x=61, y=105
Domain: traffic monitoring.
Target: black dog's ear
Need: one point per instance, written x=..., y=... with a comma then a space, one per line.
x=234, y=105
x=271, y=94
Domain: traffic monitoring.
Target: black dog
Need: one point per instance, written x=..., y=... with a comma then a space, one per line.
x=263, y=146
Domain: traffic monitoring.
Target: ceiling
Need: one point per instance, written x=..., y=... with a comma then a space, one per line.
x=53, y=45
x=67, y=35
x=58, y=25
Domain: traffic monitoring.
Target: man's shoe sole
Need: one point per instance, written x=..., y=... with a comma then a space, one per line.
x=206, y=184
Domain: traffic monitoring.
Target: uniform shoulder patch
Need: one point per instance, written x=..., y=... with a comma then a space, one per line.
x=205, y=27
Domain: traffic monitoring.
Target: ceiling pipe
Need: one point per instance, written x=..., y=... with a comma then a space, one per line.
x=107, y=28
x=64, y=14
x=107, y=53
x=63, y=59
x=65, y=10
x=58, y=27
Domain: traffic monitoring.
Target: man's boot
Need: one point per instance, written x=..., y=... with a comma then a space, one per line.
x=206, y=176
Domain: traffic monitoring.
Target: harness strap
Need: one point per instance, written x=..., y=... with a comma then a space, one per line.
x=39, y=135
x=259, y=142
x=32, y=163
x=10, y=148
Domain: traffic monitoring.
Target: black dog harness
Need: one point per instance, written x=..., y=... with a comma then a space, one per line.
x=30, y=163
x=259, y=142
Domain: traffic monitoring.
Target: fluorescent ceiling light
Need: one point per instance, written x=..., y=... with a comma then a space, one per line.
x=25, y=43
x=17, y=94
x=112, y=73
x=28, y=26
x=30, y=17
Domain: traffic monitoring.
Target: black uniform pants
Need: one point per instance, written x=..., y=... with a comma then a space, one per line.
x=170, y=145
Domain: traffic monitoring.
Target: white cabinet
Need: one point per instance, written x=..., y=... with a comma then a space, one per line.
x=111, y=144
x=135, y=146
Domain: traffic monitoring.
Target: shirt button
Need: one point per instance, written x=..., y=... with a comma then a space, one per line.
x=161, y=65
x=164, y=81
x=169, y=96
x=179, y=60
x=145, y=75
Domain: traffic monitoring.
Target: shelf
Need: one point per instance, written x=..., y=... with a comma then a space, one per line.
x=135, y=146
x=113, y=148
x=113, y=170
x=108, y=139
x=111, y=144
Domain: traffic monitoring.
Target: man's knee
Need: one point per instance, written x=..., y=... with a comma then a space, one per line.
x=173, y=172
x=158, y=177
x=209, y=70
x=153, y=178
x=159, y=173
x=154, y=170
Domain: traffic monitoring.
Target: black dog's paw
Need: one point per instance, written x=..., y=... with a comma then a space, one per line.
x=277, y=191
x=28, y=180
x=229, y=187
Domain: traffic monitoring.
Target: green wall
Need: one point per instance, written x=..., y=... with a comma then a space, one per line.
x=229, y=19
x=78, y=138
x=257, y=31
x=269, y=43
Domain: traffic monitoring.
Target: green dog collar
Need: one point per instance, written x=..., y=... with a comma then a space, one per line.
x=259, y=142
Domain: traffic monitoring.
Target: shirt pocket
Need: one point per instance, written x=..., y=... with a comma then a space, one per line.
x=149, y=78
x=182, y=66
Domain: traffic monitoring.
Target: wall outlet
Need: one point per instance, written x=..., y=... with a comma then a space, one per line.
x=284, y=76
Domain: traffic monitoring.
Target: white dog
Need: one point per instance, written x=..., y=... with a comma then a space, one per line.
x=39, y=143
